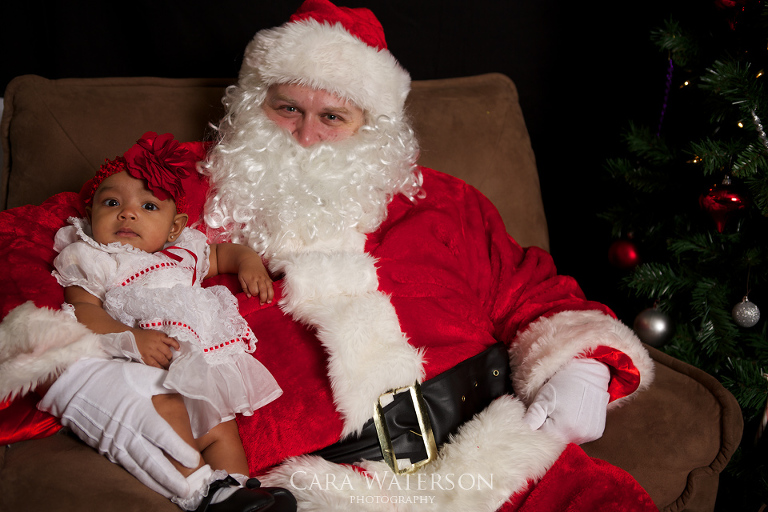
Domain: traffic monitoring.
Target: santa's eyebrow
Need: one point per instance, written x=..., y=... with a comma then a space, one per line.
x=282, y=97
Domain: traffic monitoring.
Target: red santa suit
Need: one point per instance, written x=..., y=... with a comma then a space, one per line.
x=438, y=282
x=458, y=284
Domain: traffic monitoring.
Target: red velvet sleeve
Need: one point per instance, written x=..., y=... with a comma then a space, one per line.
x=526, y=286
x=523, y=282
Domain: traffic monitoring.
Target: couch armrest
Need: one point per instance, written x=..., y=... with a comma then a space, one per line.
x=676, y=437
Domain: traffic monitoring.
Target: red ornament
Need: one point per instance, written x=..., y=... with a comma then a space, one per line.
x=732, y=8
x=721, y=202
x=623, y=254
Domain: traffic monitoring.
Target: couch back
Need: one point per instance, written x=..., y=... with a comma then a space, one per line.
x=56, y=134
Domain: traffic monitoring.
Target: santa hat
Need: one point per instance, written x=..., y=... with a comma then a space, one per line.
x=336, y=49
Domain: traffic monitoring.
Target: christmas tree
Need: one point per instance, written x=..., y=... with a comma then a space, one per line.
x=690, y=220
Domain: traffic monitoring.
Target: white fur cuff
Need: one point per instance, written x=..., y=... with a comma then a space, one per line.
x=550, y=343
x=39, y=343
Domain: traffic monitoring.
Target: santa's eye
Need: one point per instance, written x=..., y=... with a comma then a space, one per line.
x=111, y=202
x=149, y=206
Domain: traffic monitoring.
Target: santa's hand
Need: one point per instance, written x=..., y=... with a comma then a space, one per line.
x=572, y=404
x=112, y=411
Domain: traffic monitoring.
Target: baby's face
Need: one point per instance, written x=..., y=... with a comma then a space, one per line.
x=124, y=210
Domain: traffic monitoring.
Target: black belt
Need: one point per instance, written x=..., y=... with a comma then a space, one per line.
x=450, y=399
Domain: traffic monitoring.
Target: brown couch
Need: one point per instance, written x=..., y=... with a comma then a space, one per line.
x=674, y=439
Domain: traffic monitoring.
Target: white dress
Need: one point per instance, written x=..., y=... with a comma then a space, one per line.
x=214, y=369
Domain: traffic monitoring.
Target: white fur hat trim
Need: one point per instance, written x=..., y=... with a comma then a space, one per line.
x=329, y=58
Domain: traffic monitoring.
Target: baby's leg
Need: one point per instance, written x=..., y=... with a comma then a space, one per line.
x=222, y=448
x=172, y=409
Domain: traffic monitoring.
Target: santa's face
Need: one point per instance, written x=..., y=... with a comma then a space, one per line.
x=274, y=194
x=312, y=115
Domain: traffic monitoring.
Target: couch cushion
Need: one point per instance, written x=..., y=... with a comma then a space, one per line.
x=61, y=473
x=56, y=133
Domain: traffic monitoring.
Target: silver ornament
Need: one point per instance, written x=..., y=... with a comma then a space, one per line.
x=745, y=313
x=653, y=327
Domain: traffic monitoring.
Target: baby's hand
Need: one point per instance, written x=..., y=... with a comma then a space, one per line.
x=255, y=280
x=155, y=347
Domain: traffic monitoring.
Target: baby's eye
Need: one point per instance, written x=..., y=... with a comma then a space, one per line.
x=111, y=202
x=149, y=206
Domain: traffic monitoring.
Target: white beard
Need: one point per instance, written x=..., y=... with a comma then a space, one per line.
x=275, y=195
x=308, y=211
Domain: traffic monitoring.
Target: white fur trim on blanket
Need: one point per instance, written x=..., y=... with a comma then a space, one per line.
x=39, y=343
x=550, y=343
x=493, y=456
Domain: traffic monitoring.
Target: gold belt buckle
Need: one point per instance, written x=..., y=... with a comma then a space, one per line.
x=427, y=436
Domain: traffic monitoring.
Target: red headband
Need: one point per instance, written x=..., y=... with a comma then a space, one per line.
x=159, y=160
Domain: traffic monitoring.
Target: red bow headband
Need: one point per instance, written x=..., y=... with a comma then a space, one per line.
x=160, y=160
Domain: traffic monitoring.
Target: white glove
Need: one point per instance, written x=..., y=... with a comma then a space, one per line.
x=572, y=404
x=111, y=410
x=121, y=345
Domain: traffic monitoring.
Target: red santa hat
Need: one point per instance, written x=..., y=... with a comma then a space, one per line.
x=336, y=49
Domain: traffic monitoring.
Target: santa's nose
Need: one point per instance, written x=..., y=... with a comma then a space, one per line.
x=307, y=132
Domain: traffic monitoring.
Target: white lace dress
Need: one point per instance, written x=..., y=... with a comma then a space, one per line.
x=214, y=369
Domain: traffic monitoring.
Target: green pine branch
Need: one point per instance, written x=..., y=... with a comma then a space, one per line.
x=737, y=83
x=654, y=280
x=710, y=305
x=717, y=156
x=654, y=150
x=747, y=381
x=700, y=247
x=679, y=44
x=750, y=161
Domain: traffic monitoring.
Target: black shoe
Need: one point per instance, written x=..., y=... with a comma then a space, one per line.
x=242, y=500
x=284, y=500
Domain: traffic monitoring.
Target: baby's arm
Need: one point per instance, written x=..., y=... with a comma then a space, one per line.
x=240, y=259
x=154, y=346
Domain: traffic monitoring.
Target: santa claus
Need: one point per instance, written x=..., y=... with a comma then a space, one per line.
x=428, y=362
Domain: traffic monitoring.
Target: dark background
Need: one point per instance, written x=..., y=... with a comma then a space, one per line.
x=583, y=70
